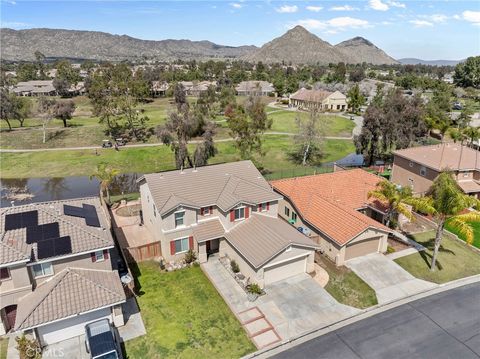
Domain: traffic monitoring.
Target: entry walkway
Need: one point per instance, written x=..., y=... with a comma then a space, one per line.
x=389, y=280
x=290, y=307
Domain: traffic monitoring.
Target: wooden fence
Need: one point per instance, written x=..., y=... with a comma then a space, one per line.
x=143, y=253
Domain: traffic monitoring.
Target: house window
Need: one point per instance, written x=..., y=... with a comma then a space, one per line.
x=99, y=256
x=4, y=273
x=287, y=211
x=466, y=174
x=181, y=245
x=179, y=218
x=263, y=207
x=154, y=211
x=294, y=217
x=42, y=269
x=206, y=211
x=239, y=213
x=423, y=171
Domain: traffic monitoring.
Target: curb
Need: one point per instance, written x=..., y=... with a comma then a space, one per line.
x=364, y=314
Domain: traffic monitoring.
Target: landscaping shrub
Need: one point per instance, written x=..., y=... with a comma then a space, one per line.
x=234, y=266
x=190, y=256
x=28, y=348
x=254, y=288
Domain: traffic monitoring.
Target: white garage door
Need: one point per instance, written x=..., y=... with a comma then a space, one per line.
x=284, y=270
x=69, y=328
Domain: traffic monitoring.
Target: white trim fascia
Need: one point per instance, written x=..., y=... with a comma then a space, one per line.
x=54, y=259
x=285, y=260
x=11, y=264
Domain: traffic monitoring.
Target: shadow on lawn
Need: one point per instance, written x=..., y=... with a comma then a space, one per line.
x=136, y=274
x=427, y=257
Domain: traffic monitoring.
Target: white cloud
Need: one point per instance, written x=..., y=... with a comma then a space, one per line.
x=384, y=6
x=333, y=25
x=314, y=8
x=15, y=25
x=421, y=23
x=287, y=9
x=471, y=16
x=11, y=2
x=378, y=5
x=436, y=18
x=236, y=5
x=343, y=8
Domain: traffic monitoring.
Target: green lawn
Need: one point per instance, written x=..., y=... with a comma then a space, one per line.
x=476, y=233
x=345, y=286
x=185, y=317
x=3, y=348
x=153, y=159
x=455, y=260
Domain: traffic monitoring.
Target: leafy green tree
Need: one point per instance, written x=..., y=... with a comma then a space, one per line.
x=467, y=73
x=105, y=175
x=27, y=72
x=40, y=59
x=13, y=107
x=357, y=75
x=64, y=110
x=308, y=142
x=355, y=99
x=445, y=201
x=247, y=125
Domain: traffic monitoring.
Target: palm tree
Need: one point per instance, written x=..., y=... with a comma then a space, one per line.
x=446, y=201
x=398, y=200
x=105, y=175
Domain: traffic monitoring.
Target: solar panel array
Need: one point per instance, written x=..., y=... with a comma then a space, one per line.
x=47, y=236
x=87, y=211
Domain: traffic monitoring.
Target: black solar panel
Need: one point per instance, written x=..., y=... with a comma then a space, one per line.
x=21, y=220
x=91, y=217
x=54, y=247
x=73, y=211
x=42, y=232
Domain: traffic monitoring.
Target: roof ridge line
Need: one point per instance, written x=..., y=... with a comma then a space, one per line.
x=73, y=269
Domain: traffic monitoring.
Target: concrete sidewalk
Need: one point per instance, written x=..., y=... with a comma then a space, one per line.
x=389, y=280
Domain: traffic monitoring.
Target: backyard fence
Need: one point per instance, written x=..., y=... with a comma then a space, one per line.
x=143, y=253
x=299, y=172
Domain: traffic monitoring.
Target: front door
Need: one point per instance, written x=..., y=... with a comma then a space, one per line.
x=208, y=247
x=10, y=315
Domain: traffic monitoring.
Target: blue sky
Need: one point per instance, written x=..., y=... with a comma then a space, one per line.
x=424, y=29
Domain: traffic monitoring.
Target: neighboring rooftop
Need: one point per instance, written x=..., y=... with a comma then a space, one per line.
x=223, y=185
x=330, y=202
x=453, y=156
x=43, y=230
x=261, y=237
x=314, y=95
x=251, y=86
x=72, y=291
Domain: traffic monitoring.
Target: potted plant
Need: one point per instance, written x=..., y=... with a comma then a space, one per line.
x=253, y=291
x=234, y=266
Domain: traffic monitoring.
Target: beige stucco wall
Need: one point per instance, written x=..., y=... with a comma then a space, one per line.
x=19, y=284
x=402, y=171
x=245, y=268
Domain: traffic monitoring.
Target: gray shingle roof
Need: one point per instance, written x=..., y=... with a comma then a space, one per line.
x=83, y=238
x=224, y=185
x=207, y=230
x=261, y=237
x=71, y=292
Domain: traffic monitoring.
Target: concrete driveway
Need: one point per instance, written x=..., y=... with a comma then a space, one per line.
x=389, y=280
x=299, y=304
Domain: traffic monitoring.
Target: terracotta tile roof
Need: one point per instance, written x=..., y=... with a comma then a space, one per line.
x=209, y=229
x=71, y=292
x=330, y=202
x=261, y=237
x=453, y=156
x=223, y=185
x=83, y=238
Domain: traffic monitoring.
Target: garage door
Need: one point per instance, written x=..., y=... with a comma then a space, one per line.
x=284, y=270
x=361, y=248
x=69, y=328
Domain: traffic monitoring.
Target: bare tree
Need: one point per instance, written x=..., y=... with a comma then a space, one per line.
x=46, y=111
x=309, y=141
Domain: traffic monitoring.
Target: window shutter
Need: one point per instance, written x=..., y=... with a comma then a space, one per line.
x=247, y=212
x=268, y=206
x=259, y=207
x=105, y=253
x=232, y=215
x=172, y=248
x=211, y=209
x=201, y=211
x=94, y=258
x=190, y=242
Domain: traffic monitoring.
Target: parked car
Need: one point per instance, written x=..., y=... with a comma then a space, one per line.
x=107, y=144
x=120, y=142
x=100, y=340
x=457, y=106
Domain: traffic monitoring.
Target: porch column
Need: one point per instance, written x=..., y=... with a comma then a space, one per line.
x=202, y=252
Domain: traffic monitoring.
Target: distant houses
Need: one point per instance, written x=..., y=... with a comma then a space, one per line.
x=159, y=88
x=195, y=88
x=318, y=99
x=45, y=88
x=255, y=88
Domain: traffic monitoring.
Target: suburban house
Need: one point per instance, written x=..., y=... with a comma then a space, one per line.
x=195, y=88
x=35, y=88
x=417, y=167
x=229, y=209
x=56, y=269
x=334, y=210
x=159, y=88
x=255, y=88
x=318, y=100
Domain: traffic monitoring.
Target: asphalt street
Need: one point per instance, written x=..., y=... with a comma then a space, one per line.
x=444, y=325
